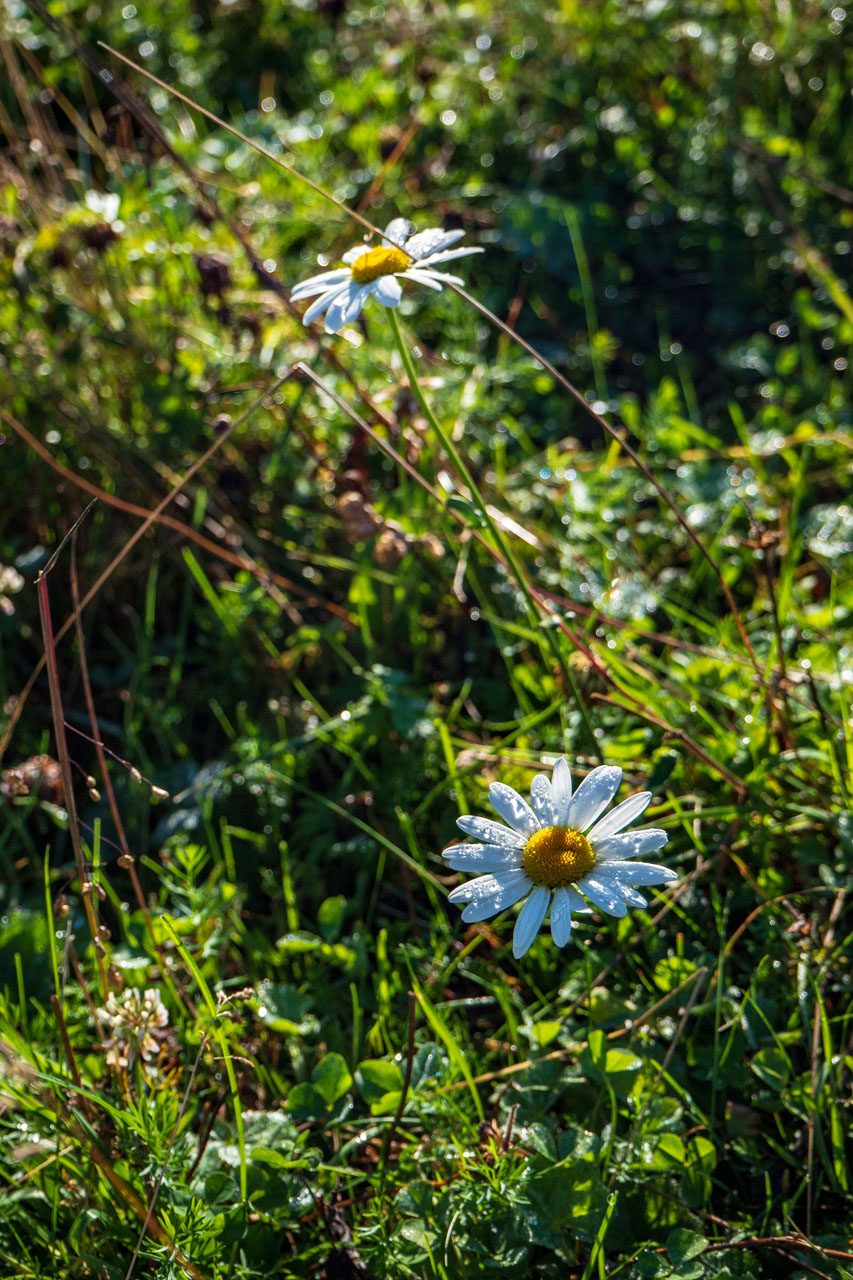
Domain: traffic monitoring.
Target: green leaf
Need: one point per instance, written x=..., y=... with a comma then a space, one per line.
x=619, y=1066
x=773, y=1067
x=702, y=1153
x=220, y=1189
x=380, y=1084
x=330, y=916
x=683, y=1245
x=569, y=1196
x=661, y=769
x=473, y=516
x=305, y=1102
x=275, y=1159
x=429, y=1064
x=669, y=1152
x=285, y=1009
x=596, y=1049
x=331, y=1078
x=542, y=1033
x=416, y=1198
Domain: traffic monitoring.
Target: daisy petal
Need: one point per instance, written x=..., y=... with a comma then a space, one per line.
x=561, y=917
x=491, y=832
x=508, y=804
x=593, y=796
x=617, y=819
x=353, y=254
x=540, y=800
x=481, y=857
x=387, y=290
x=427, y=242
x=485, y=907
x=631, y=873
x=441, y=277
x=561, y=791
x=346, y=306
x=615, y=848
x=316, y=284
x=529, y=920
x=486, y=886
x=577, y=903
x=604, y=896
x=323, y=302
x=631, y=896
x=447, y=256
x=397, y=231
x=421, y=277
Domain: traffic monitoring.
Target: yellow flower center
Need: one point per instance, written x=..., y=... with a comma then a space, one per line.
x=379, y=262
x=557, y=856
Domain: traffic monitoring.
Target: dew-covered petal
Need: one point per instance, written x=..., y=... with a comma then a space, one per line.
x=353, y=254
x=346, y=306
x=631, y=896
x=485, y=886
x=530, y=919
x=604, y=896
x=630, y=845
x=440, y=277
x=423, y=243
x=316, y=284
x=387, y=290
x=593, y=796
x=509, y=805
x=491, y=832
x=561, y=791
x=540, y=800
x=397, y=231
x=508, y=896
x=422, y=277
x=634, y=873
x=577, y=903
x=481, y=857
x=322, y=303
x=447, y=255
x=561, y=917
x=617, y=819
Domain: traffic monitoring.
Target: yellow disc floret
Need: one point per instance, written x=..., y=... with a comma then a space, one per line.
x=557, y=855
x=379, y=262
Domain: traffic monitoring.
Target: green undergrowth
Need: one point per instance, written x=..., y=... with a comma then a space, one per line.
x=322, y=655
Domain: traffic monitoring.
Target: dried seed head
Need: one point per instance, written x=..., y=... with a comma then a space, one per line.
x=390, y=549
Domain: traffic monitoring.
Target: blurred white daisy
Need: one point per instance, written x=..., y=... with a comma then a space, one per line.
x=402, y=256
x=555, y=849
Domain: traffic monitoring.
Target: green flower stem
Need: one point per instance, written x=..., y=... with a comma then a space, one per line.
x=498, y=538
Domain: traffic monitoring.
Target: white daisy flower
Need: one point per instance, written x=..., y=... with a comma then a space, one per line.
x=402, y=256
x=555, y=849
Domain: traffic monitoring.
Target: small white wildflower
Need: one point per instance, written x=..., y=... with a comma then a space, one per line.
x=402, y=256
x=106, y=205
x=133, y=1017
x=554, y=850
x=11, y=581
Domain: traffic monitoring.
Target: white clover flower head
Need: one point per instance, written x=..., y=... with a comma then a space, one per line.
x=557, y=850
x=342, y=293
x=11, y=581
x=133, y=1017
